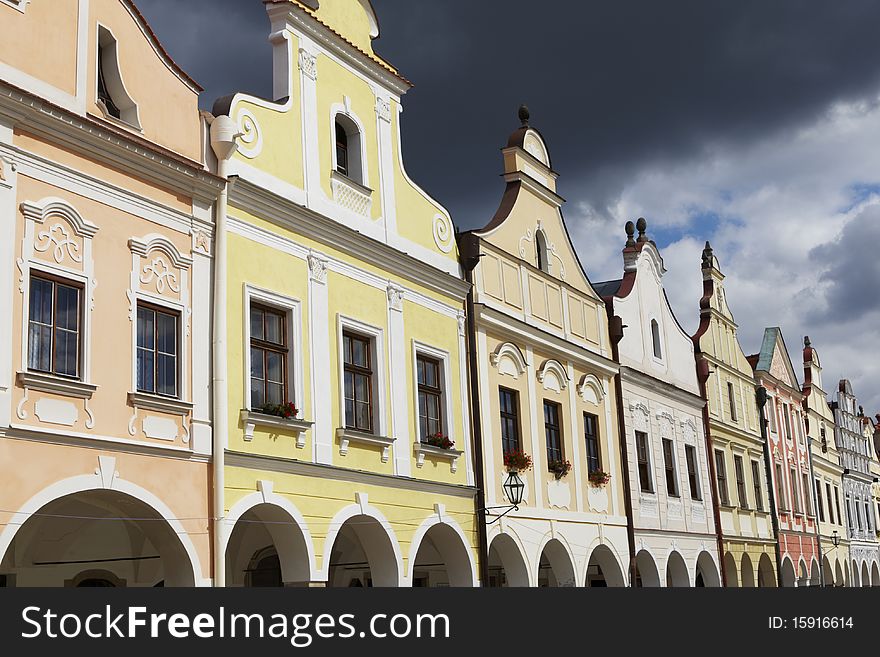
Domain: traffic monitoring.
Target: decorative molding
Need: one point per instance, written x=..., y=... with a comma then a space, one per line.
x=308, y=64
x=59, y=240
x=383, y=109
x=508, y=359
x=48, y=207
x=55, y=385
x=348, y=436
x=252, y=420
x=142, y=246
x=201, y=242
x=56, y=411
x=444, y=234
x=250, y=139
x=462, y=321
x=528, y=237
x=590, y=389
x=317, y=267
x=159, y=271
x=395, y=295
x=641, y=419
x=351, y=195
x=422, y=450
x=558, y=494
x=143, y=401
x=553, y=376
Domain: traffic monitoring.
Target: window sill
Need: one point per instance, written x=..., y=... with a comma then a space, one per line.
x=422, y=450
x=351, y=195
x=348, y=436
x=55, y=385
x=122, y=123
x=158, y=403
x=252, y=420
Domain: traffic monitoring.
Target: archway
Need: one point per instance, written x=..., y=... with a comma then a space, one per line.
x=442, y=559
x=839, y=576
x=803, y=575
x=676, y=571
x=363, y=555
x=766, y=573
x=706, y=573
x=875, y=574
x=854, y=575
x=788, y=576
x=747, y=580
x=507, y=566
x=100, y=537
x=268, y=547
x=731, y=571
x=555, y=568
x=603, y=569
x=827, y=571
x=815, y=577
x=648, y=575
x=866, y=574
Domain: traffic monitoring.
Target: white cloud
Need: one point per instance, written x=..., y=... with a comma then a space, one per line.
x=765, y=207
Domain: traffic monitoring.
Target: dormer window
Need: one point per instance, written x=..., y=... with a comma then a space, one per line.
x=655, y=336
x=112, y=97
x=341, y=150
x=348, y=149
x=543, y=253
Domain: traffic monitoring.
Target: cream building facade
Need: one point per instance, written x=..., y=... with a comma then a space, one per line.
x=105, y=434
x=749, y=541
x=340, y=293
x=668, y=466
x=544, y=382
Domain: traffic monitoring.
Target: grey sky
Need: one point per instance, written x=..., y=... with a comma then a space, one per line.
x=750, y=123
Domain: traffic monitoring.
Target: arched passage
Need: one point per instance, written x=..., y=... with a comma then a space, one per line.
x=676, y=571
x=648, y=575
x=827, y=571
x=803, y=574
x=731, y=572
x=442, y=558
x=507, y=566
x=854, y=575
x=362, y=554
x=766, y=574
x=866, y=574
x=603, y=569
x=747, y=578
x=555, y=567
x=707, y=572
x=875, y=575
x=268, y=546
x=815, y=577
x=788, y=576
x=98, y=537
x=839, y=576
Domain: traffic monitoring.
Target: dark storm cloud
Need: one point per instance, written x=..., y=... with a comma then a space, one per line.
x=613, y=86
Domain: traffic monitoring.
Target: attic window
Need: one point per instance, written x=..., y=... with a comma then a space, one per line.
x=543, y=254
x=655, y=335
x=348, y=149
x=112, y=97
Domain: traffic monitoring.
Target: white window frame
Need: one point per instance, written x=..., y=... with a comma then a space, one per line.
x=420, y=348
x=649, y=452
x=293, y=309
x=128, y=108
x=180, y=310
x=675, y=472
x=345, y=110
x=660, y=337
x=380, y=391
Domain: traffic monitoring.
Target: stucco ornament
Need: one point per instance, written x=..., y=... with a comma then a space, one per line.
x=444, y=236
x=61, y=242
x=250, y=141
x=159, y=271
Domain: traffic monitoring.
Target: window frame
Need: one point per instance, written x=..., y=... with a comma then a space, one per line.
x=721, y=477
x=269, y=347
x=656, y=339
x=107, y=52
x=739, y=476
x=357, y=169
x=294, y=369
x=596, y=439
x=780, y=487
x=643, y=465
x=694, y=483
x=514, y=417
x=367, y=371
x=376, y=335
x=795, y=491
x=550, y=428
x=178, y=373
x=72, y=282
x=819, y=502
x=731, y=399
x=670, y=467
x=808, y=497
x=756, y=484
x=443, y=358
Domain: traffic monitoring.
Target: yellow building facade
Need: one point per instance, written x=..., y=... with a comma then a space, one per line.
x=341, y=296
x=748, y=537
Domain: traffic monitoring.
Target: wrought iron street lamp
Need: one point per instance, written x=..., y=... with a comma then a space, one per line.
x=835, y=538
x=514, y=490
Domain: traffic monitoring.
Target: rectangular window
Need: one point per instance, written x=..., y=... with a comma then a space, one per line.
x=756, y=483
x=553, y=432
x=731, y=398
x=770, y=409
x=358, y=372
x=157, y=370
x=830, y=504
x=644, y=462
x=269, y=353
x=591, y=437
x=796, y=498
x=669, y=467
x=690, y=454
x=780, y=489
x=808, y=494
x=837, y=505
x=55, y=312
x=819, y=500
x=509, y=420
x=430, y=396
x=786, y=417
x=721, y=476
x=739, y=473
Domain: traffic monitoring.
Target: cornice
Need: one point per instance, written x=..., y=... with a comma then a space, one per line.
x=334, y=473
x=301, y=220
x=628, y=374
x=92, y=139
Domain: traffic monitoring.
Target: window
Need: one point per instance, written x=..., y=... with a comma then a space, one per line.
x=796, y=498
x=786, y=416
x=644, y=462
x=112, y=97
x=819, y=500
x=756, y=483
x=824, y=439
x=655, y=335
x=430, y=396
x=739, y=473
x=721, y=476
x=780, y=489
x=808, y=494
x=830, y=508
x=690, y=454
x=771, y=414
x=157, y=337
x=669, y=467
x=341, y=150
x=591, y=436
x=837, y=505
x=553, y=432
x=54, y=317
x=348, y=149
x=509, y=420
x=543, y=253
x=358, y=379
x=731, y=398
x=269, y=352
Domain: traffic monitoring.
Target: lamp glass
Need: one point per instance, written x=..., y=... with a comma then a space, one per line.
x=514, y=488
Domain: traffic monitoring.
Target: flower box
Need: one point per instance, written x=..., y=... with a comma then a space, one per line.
x=599, y=478
x=559, y=468
x=517, y=461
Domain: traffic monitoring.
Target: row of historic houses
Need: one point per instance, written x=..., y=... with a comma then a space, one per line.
x=243, y=348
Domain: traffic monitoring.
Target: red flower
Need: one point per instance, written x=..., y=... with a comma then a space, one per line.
x=518, y=460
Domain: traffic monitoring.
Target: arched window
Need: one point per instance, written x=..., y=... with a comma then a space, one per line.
x=655, y=335
x=112, y=96
x=543, y=254
x=348, y=149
